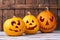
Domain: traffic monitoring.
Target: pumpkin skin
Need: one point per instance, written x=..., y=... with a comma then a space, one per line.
x=47, y=21
x=32, y=25
x=14, y=26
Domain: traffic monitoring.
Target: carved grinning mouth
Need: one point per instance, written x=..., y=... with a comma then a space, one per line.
x=47, y=28
x=31, y=28
x=14, y=30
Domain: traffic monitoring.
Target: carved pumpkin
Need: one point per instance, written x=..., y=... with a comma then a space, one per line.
x=32, y=25
x=47, y=21
x=14, y=26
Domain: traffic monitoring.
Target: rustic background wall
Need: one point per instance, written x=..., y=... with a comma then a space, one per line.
x=8, y=8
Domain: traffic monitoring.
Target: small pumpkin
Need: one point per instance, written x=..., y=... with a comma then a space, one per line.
x=47, y=21
x=14, y=26
x=32, y=25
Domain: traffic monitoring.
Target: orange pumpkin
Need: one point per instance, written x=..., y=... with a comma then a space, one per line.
x=32, y=25
x=47, y=21
x=14, y=26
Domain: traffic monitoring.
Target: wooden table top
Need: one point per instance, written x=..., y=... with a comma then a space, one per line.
x=38, y=36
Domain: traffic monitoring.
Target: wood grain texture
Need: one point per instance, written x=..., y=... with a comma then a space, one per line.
x=40, y=10
x=58, y=3
x=19, y=13
x=58, y=23
x=19, y=1
x=53, y=1
x=55, y=11
x=1, y=4
x=59, y=13
x=40, y=1
x=33, y=12
x=7, y=4
x=28, y=1
x=7, y=14
x=1, y=27
x=18, y=4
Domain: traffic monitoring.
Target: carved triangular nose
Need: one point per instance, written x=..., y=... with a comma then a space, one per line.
x=30, y=24
x=47, y=23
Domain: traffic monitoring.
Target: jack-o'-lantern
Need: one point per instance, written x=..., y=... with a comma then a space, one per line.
x=14, y=26
x=32, y=25
x=47, y=21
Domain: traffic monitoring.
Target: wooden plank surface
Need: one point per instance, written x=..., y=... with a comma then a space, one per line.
x=33, y=12
x=7, y=14
x=54, y=11
x=53, y=1
x=19, y=1
x=14, y=4
x=40, y=1
x=36, y=6
x=7, y=4
x=38, y=36
x=59, y=3
x=1, y=27
x=28, y=1
x=19, y=13
x=58, y=20
x=1, y=3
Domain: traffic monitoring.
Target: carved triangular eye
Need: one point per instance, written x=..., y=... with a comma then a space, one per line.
x=51, y=19
x=41, y=19
x=13, y=22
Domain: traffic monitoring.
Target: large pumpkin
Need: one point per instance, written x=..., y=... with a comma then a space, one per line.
x=47, y=21
x=14, y=26
x=32, y=25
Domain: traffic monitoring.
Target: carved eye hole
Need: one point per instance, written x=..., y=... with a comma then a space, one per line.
x=51, y=19
x=13, y=22
x=41, y=19
x=33, y=21
x=27, y=21
x=18, y=22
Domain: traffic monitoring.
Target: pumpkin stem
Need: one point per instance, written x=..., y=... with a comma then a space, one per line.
x=14, y=16
x=47, y=8
x=39, y=5
x=28, y=13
